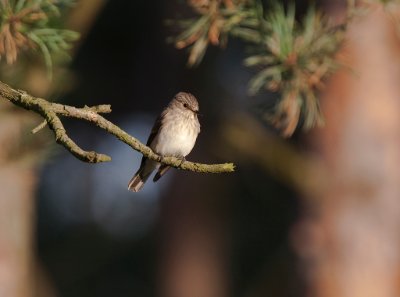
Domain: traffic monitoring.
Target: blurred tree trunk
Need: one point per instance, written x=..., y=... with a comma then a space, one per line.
x=17, y=181
x=20, y=274
x=193, y=249
x=349, y=238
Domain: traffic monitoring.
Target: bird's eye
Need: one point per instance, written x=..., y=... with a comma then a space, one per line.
x=185, y=105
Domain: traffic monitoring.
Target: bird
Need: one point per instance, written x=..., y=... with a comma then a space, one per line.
x=174, y=134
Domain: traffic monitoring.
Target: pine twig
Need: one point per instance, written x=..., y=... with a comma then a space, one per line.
x=39, y=127
x=51, y=112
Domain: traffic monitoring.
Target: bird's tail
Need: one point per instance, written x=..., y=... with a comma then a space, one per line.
x=138, y=180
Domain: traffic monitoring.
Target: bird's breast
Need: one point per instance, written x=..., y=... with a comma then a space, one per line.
x=176, y=137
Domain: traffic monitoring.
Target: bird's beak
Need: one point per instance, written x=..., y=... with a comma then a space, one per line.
x=195, y=111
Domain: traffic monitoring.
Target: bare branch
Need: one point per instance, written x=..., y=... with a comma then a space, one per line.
x=39, y=127
x=51, y=112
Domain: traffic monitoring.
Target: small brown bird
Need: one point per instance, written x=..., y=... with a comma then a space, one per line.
x=174, y=134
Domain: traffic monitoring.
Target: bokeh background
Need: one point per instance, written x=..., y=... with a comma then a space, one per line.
x=314, y=215
x=212, y=235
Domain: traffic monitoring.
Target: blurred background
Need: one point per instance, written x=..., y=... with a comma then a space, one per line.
x=315, y=215
x=214, y=235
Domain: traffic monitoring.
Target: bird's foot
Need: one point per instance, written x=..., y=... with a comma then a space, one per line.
x=183, y=159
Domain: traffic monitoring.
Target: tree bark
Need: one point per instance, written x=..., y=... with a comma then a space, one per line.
x=17, y=183
x=349, y=238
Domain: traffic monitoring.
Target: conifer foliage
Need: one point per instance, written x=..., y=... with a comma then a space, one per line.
x=33, y=25
x=291, y=55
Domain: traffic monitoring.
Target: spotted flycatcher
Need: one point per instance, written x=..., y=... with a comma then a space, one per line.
x=174, y=134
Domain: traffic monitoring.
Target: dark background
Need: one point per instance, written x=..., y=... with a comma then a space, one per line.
x=97, y=239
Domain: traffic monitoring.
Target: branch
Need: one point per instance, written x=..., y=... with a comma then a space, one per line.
x=51, y=112
x=303, y=173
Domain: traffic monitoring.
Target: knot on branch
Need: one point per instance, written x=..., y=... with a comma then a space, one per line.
x=93, y=157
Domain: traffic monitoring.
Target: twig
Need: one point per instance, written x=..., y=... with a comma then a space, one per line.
x=51, y=112
x=39, y=127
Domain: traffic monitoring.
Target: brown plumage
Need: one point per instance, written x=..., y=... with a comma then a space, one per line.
x=174, y=134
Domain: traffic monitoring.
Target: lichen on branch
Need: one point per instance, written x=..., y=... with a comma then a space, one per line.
x=51, y=113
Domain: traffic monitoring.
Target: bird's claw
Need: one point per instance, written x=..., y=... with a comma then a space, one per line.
x=183, y=159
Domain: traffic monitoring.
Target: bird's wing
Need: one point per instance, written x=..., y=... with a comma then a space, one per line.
x=161, y=171
x=156, y=127
x=154, y=131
